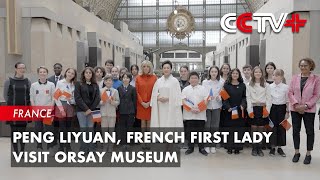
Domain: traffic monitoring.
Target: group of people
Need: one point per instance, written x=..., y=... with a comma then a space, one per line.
x=227, y=98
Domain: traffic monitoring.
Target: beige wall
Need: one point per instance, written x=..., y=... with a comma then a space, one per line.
x=50, y=30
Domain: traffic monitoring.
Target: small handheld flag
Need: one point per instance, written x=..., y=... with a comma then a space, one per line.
x=57, y=94
x=234, y=113
x=96, y=116
x=104, y=96
x=250, y=113
x=48, y=120
x=187, y=104
x=265, y=112
x=66, y=94
x=224, y=94
x=210, y=95
x=202, y=106
x=286, y=124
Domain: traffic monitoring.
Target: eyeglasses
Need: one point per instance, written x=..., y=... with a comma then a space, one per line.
x=21, y=68
x=303, y=65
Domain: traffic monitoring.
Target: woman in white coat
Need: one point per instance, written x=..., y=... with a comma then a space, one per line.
x=166, y=100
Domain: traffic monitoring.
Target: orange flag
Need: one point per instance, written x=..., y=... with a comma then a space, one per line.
x=224, y=94
x=57, y=94
x=250, y=113
x=234, y=113
x=104, y=96
x=265, y=112
x=202, y=106
x=48, y=121
x=186, y=107
x=66, y=94
x=286, y=124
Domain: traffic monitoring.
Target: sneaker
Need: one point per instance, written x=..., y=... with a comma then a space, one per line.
x=189, y=151
x=273, y=152
x=207, y=149
x=254, y=152
x=280, y=151
x=229, y=151
x=236, y=152
x=296, y=158
x=307, y=159
x=213, y=150
x=260, y=153
x=203, y=152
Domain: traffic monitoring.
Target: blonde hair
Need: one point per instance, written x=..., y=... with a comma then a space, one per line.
x=280, y=72
x=149, y=64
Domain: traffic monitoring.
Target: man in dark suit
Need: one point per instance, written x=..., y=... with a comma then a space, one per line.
x=57, y=68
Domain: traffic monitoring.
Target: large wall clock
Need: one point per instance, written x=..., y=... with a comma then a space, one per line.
x=180, y=23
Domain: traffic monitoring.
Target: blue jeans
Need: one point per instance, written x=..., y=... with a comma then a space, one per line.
x=86, y=126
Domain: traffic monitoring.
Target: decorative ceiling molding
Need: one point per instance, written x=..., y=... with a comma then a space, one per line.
x=104, y=9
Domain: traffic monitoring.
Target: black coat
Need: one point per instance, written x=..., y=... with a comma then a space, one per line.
x=128, y=100
x=82, y=98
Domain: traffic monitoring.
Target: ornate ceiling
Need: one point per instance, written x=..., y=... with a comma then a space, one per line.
x=104, y=9
x=108, y=9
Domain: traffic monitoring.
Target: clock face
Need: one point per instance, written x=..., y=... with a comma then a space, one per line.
x=180, y=23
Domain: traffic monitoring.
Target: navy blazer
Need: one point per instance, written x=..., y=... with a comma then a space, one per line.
x=81, y=96
x=128, y=100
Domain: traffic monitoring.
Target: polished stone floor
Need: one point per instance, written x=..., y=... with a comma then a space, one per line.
x=194, y=166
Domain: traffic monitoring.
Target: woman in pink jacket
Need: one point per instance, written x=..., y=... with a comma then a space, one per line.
x=304, y=92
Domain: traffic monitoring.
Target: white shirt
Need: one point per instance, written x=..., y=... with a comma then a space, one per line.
x=279, y=93
x=216, y=87
x=195, y=94
x=64, y=86
x=245, y=80
x=42, y=94
x=258, y=94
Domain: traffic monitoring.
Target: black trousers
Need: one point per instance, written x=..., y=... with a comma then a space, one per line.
x=277, y=115
x=194, y=126
x=308, y=120
x=125, y=125
x=17, y=128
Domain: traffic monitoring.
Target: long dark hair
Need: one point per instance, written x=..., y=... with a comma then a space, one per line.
x=136, y=66
x=265, y=68
x=93, y=78
x=218, y=75
x=229, y=79
x=224, y=64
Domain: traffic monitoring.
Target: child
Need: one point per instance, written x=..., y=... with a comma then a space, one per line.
x=109, y=103
x=247, y=71
x=41, y=94
x=194, y=116
x=213, y=85
x=127, y=107
x=279, y=111
x=259, y=104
